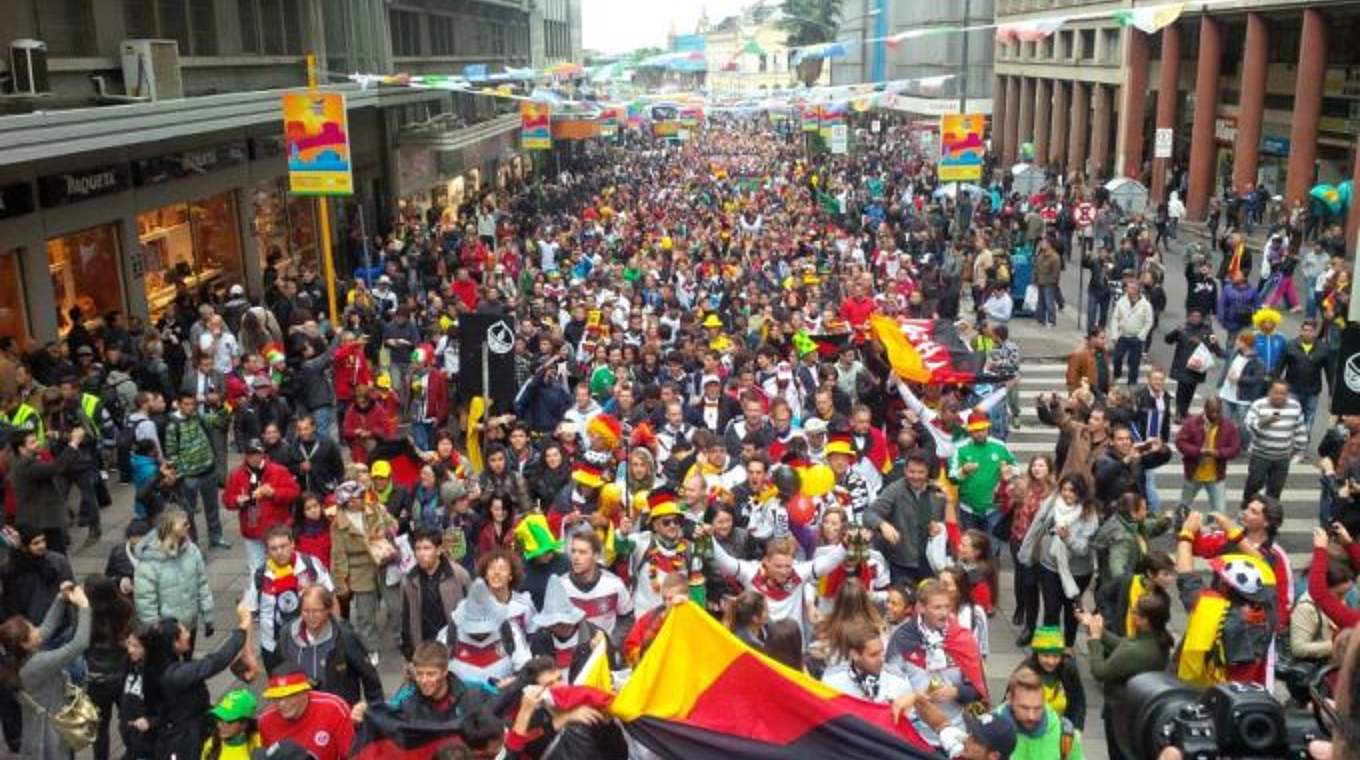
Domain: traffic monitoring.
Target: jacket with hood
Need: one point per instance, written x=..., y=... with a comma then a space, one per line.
x=336, y=663
x=259, y=515
x=171, y=584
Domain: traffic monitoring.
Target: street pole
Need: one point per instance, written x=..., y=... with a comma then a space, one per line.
x=864, y=44
x=963, y=65
x=324, y=215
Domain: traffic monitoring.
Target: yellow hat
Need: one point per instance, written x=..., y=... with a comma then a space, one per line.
x=1265, y=314
x=667, y=243
x=384, y=381
x=381, y=469
x=712, y=321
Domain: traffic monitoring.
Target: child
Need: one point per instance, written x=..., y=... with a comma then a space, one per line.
x=237, y=733
x=134, y=720
x=1058, y=670
x=312, y=527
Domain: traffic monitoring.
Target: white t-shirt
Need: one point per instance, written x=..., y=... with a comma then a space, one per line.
x=1229, y=390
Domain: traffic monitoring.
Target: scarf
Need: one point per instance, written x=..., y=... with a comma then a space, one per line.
x=932, y=641
x=564, y=649
x=1137, y=588
x=776, y=591
x=867, y=682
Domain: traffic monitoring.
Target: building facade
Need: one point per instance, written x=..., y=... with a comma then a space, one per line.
x=124, y=176
x=749, y=53
x=930, y=57
x=1251, y=93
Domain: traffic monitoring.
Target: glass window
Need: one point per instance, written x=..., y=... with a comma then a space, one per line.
x=195, y=243
x=284, y=225
x=85, y=273
x=13, y=317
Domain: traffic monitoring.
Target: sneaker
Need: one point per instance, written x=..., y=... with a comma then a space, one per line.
x=1018, y=618
x=373, y=659
x=1026, y=636
x=219, y=543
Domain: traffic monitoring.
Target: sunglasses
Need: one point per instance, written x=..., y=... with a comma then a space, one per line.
x=668, y=522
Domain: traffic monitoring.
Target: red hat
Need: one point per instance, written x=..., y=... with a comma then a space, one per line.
x=978, y=420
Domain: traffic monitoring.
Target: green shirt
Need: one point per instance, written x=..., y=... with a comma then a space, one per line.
x=978, y=487
x=1046, y=745
x=1114, y=660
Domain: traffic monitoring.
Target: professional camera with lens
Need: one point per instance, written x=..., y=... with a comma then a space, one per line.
x=1236, y=721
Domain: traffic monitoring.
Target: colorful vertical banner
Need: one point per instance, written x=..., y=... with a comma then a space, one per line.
x=316, y=136
x=635, y=115
x=961, y=147
x=535, y=125
x=610, y=119
x=832, y=114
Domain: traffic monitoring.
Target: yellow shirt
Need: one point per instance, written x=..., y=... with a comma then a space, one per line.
x=1207, y=469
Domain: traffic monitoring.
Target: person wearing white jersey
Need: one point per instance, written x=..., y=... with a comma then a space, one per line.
x=778, y=577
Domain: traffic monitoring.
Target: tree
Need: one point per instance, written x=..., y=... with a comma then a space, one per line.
x=810, y=22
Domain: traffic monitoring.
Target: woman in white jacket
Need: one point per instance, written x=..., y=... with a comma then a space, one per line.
x=1060, y=538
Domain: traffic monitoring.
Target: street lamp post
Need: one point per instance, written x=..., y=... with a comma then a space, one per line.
x=963, y=65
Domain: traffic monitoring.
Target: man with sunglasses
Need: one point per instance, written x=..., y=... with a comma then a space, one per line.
x=661, y=551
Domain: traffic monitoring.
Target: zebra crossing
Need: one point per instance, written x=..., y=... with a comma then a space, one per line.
x=1302, y=490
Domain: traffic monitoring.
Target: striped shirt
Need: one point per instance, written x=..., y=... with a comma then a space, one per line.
x=1276, y=432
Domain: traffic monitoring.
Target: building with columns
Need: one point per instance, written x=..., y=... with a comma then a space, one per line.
x=748, y=52
x=1254, y=92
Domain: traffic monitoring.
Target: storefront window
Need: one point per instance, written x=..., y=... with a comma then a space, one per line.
x=13, y=321
x=85, y=273
x=284, y=225
x=195, y=243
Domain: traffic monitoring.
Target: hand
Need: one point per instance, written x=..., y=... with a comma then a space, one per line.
x=1193, y=522
x=305, y=466
x=532, y=696
x=1062, y=531
x=1095, y=626
x=583, y=714
x=242, y=499
x=356, y=713
x=1342, y=535
x=266, y=491
x=969, y=468
x=1154, y=444
x=1007, y=471
x=77, y=597
x=1225, y=523
x=890, y=533
x=625, y=525
x=243, y=615
x=903, y=705
x=76, y=437
x=943, y=693
x=1320, y=538
x=935, y=528
x=141, y=724
x=125, y=585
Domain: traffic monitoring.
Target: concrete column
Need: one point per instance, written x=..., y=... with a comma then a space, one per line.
x=1307, y=114
x=1252, y=105
x=1077, y=132
x=999, y=115
x=1353, y=216
x=1012, y=121
x=1168, y=95
x=1057, y=131
x=1026, y=113
x=1043, y=107
x=1202, y=152
x=1132, y=112
x=1100, y=129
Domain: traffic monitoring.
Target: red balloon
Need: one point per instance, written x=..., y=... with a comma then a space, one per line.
x=801, y=510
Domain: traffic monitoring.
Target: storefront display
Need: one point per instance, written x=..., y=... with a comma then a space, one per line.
x=196, y=243
x=13, y=319
x=284, y=225
x=85, y=273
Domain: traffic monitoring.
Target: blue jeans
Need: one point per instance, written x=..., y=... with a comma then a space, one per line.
x=1154, y=499
x=1216, y=492
x=324, y=417
x=1047, y=313
x=204, y=489
x=1309, y=402
x=1131, y=347
x=422, y=434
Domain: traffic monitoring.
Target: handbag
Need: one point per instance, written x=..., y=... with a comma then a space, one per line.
x=1201, y=360
x=382, y=551
x=1031, y=297
x=75, y=722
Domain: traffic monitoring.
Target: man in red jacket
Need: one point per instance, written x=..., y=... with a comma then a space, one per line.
x=263, y=493
x=351, y=371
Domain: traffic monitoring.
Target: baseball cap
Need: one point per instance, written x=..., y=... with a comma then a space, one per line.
x=997, y=733
x=381, y=469
x=235, y=705
x=255, y=446
x=815, y=425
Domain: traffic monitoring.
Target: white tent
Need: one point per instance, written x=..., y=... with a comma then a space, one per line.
x=1128, y=194
x=1027, y=179
x=951, y=190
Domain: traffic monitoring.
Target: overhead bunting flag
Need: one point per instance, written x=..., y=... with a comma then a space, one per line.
x=535, y=125
x=923, y=350
x=736, y=702
x=1029, y=31
x=1149, y=19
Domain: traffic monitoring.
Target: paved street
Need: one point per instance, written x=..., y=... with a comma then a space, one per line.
x=1043, y=371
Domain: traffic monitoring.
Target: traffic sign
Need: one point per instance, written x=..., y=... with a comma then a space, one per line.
x=1086, y=214
x=1162, y=147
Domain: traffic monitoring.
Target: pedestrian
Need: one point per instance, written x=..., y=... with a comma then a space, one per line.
x=1130, y=324
x=1207, y=442
x=1040, y=732
x=1196, y=351
x=1237, y=302
x=326, y=649
x=188, y=444
x=261, y=492
x=1242, y=382
x=321, y=724
x=37, y=674
x=1047, y=277
x=1115, y=659
x=1278, y=434
x=1306, y=362
x=361, y=547
x=1060, y=538
x=171, y=579
x=38, y=495
x=1089, y=365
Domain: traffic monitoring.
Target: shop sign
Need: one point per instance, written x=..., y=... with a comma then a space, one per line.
x=188, y=163
x=1164, y=144
x=16, y=200
x=1225, y=129
x=1275, y=145
x=72, y=187
x=1341, y=82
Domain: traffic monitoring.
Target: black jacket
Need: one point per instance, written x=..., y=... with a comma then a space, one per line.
x=348, y=672
x=328, y=468
x=1187, y=338
x=727, y=409
x=1304, y=369
x=254, y=415
x=1146, y=404
x=185, y=699
x=1201, y=293
x=310, y=386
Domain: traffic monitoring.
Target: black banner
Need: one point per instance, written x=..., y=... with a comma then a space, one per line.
x=1346, y=388
x=187, y=163
x=69, y=187
x=16, y=199
x=497, y=334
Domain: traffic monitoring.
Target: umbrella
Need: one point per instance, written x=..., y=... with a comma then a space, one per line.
x=1328, y=195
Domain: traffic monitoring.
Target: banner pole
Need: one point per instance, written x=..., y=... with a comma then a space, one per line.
x=324, y=216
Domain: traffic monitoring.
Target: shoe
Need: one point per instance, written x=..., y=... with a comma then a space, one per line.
x=92, y=538
x=1018, y=618
x=1026, y=636
x=219, y=543
x=373, y=659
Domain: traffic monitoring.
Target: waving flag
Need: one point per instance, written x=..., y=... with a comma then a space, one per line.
x=924, y=350
x=735, y=702
x=387, y=735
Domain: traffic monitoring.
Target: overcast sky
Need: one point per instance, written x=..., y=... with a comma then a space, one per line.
x=617, y=26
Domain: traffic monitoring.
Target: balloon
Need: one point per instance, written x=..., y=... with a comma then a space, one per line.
x=818, y=479
x=801, y=510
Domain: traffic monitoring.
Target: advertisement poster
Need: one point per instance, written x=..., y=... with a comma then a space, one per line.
x=536, y=126
x=961, y=147
x=316, y=138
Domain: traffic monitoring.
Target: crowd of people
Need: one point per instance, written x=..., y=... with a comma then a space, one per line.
x=702, y=415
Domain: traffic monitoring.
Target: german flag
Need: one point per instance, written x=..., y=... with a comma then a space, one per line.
x=735, y=702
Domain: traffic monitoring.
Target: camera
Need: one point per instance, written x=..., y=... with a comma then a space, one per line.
x=1231, y=720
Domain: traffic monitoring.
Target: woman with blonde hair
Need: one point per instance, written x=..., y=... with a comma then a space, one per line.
x=171, y=579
